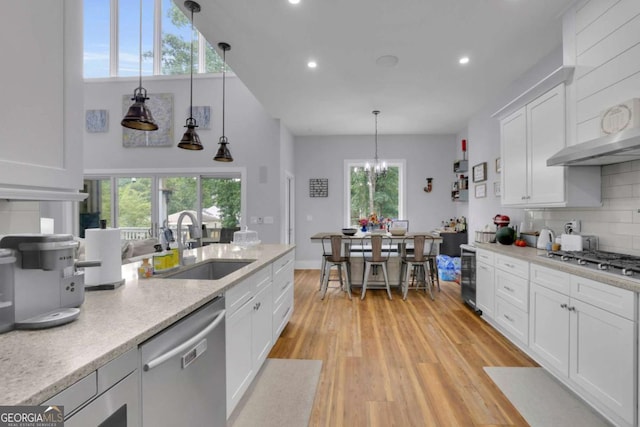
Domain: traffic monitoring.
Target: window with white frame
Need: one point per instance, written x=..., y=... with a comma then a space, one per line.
x=366, y=194
x=142, y=206
x=112, y=40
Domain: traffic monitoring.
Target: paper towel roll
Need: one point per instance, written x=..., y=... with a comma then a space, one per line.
x=103, y=245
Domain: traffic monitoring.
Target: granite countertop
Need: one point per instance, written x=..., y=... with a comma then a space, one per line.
x=36, y=365
x=537, y=256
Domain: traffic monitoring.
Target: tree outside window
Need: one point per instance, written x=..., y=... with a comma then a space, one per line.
x=368, y=194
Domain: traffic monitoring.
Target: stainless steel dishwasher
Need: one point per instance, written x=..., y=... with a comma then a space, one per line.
x=184, y=371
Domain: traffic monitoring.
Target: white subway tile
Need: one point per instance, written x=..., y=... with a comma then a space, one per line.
x=624, y=178
x=616, y=168
x=19, y=222
x=618, y=192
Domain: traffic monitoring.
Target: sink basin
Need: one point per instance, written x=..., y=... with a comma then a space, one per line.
x=209, y=270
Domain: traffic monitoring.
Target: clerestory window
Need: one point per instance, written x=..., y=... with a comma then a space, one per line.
x=112, y=40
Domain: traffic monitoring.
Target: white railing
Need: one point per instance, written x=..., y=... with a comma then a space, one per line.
x=134, y=233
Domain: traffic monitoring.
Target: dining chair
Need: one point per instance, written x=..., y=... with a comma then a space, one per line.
x=418, y=263
x=380, y=251
x=433, y=263
x=333, y=257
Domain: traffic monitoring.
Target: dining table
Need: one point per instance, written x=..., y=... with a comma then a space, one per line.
x=354, y=246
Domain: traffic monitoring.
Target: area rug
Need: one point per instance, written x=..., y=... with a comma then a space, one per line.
x=542, y=400
x=281, y=395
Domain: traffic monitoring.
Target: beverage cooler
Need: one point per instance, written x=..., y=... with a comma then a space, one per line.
x=468, y=275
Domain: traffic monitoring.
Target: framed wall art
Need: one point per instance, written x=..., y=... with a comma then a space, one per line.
x=481, y=191
x=97, y=121
x=480, y=172
x=319, y=187
x=496, y=189
x=161, y=106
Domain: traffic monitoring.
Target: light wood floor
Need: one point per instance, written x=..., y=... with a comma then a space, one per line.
x=398, y=363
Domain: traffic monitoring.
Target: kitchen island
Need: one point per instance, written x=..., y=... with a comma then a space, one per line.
x=36, y=365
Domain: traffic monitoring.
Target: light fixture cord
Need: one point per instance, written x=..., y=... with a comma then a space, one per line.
x=140, y=47
x=224, y=68
x=376, y=158
x=191, y=71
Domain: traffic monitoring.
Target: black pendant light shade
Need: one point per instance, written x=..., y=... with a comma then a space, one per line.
x=139, y=116
x=190, y=140
x=223, y=154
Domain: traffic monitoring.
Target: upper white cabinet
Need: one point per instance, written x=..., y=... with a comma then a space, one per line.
x=529, y=136
x=42, y=116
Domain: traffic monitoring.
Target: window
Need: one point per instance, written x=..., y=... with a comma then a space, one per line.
x=383, y=196
x=215, y=200
x=172, y=55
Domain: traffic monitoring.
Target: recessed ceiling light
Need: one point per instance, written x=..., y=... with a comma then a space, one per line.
x=294, y=1
x=312, y=64
x=387, y=61
x=464, y=60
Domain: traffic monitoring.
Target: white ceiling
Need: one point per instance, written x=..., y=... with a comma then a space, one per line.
x=427, y=92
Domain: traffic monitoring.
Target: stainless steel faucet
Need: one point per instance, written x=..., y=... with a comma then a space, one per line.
x=196, y=233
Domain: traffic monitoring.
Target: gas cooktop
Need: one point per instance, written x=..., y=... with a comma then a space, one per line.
x=624, y=264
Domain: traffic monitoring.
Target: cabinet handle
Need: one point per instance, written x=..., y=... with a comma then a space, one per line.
x=572, y=308
x=508, y=318
x=508, y=289
x=563, y=305
x=523, y=197
x=286, y=312
x=285, y=286
x=509, y=265
x=257, y=306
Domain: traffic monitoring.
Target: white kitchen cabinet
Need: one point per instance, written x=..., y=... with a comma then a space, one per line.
x=248, y=332
x=602, y=357
x=590, y=344
x=549, y=328
x=43, y=113
x=485, y=283
x=512, y=297
x=529, y=136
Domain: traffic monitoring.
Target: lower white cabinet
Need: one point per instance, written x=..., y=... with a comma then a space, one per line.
x=248, y=333
x=258, y=309
x=591, y=347
x=485, y=287
x=512, y=297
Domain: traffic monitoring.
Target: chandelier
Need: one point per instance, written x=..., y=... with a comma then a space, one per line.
x=378, y=168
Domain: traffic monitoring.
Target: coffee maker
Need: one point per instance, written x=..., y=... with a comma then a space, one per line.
x=47, y=288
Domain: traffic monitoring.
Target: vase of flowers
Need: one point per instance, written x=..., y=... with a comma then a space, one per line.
x=364, y=222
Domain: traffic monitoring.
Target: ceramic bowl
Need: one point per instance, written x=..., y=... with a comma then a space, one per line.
x=397, y=231
x=349, y=231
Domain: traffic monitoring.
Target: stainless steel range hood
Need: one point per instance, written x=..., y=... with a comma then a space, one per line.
x=617, y=148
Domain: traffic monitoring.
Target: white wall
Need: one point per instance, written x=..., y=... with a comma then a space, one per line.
x=323, y=157
x=254, y=136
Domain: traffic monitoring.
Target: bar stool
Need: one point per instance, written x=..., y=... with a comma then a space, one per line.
x=419, y=264
x=380, y=252
x=433, y=263
x=334, y=258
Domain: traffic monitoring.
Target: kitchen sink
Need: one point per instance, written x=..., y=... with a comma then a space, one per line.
x=210, y=270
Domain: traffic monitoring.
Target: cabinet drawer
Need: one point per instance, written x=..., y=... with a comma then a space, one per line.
x=283, y=284
x=486, y=257
x=282, y=263
x=239, y=294
x=513, y=289
x=553, y=279
x=512, y=265
x=610, y=298
x=514, y=320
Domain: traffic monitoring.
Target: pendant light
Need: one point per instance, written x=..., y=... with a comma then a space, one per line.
x=190, y=140
x=223, y=154
x=139, y=116
x=378, y=169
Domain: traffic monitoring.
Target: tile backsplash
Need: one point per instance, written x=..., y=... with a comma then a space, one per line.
x=19, y=217
x=616, y=223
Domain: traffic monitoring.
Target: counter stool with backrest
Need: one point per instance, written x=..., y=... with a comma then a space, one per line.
x=433, y=263
x=333, y=257
x=418, y=263
x=380, y=251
